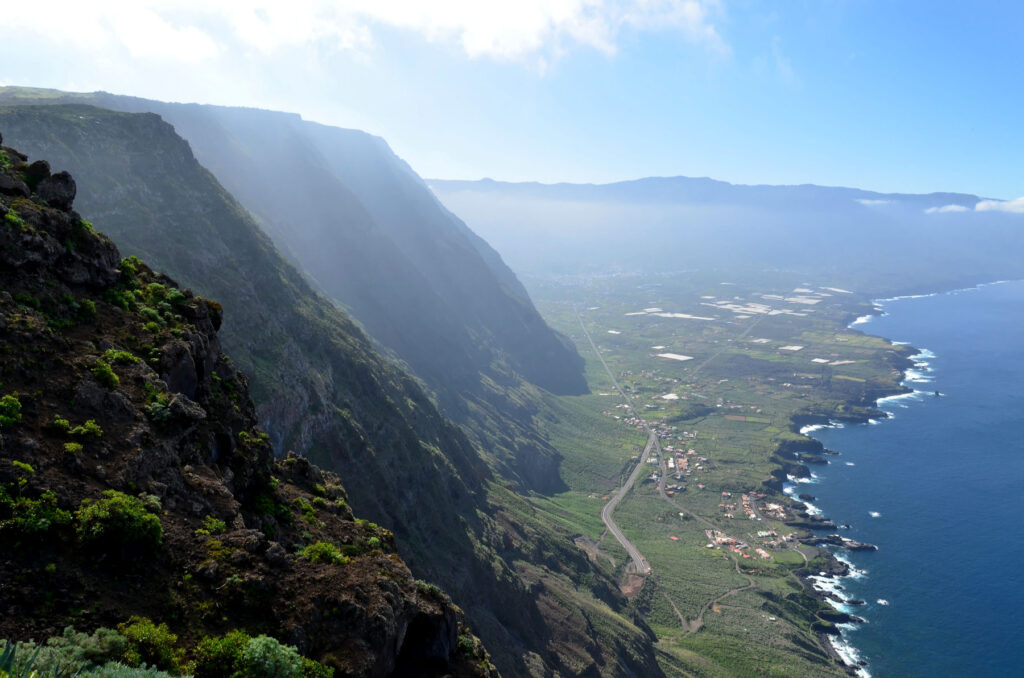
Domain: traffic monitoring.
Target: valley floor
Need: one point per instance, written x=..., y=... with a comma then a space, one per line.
x=725, y=592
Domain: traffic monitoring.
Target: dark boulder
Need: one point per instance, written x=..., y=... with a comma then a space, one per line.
x=178, y=369
x=58, y=190
x=11, y=186
x=36, y=172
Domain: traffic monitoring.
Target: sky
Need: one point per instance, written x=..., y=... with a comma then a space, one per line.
x=892, y=96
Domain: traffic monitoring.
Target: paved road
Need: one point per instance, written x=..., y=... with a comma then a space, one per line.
x=640, y=564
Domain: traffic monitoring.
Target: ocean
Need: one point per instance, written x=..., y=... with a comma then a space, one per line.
x=939, y=487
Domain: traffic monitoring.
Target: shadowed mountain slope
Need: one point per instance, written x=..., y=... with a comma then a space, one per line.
x=320, y=387
x=134, y=480
x=369, y=233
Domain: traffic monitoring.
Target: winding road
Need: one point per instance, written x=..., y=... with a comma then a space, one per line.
x=639, y=564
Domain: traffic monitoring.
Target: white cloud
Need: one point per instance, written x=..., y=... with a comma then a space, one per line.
x=947, y=208
x=873, y=203
x=144, y=29
x=147, y=35
x=692, y=18
x=506, y=30
x=1015, y=206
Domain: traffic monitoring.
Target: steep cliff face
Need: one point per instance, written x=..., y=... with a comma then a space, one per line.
x=364, y=207
x=134, y=480
x=357, y=220
x=467, y=273
x=322, y=389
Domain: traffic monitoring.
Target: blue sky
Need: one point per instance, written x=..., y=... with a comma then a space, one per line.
x=892, y=96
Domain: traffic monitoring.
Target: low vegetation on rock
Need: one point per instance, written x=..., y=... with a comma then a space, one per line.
x=148, y=528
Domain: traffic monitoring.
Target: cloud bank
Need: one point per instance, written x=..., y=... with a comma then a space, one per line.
x=1015, y=206
x=947, y=208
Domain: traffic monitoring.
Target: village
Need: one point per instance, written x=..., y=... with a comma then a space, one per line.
x=681, y=463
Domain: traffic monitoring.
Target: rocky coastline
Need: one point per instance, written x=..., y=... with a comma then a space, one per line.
x=793, y=457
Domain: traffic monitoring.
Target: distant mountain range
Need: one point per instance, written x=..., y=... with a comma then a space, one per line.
x=876, y=242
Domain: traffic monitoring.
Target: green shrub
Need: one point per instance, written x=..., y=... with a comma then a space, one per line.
x=265, y=657
x=211, y=525
x=26, y=299
x=118, y=520
x=238, y=655
x=115, y=357
x=78, y=654
x=24, y=517
x=218, y=657
x=314, y=669
x=175, y=297
x=14, y=221
x=74, y=651
x=152, y=327
x=87, y=309
x=151, y=502
x=121, y=298
x=104, y=374
x=150, y=314
x=216, y=550
x=61, y=424
x=116, y=670
x=130, y=266
x=149, y=643
x=428, y=589
x=142, y=649
x=72, y=448
x=23, y=467
x=324, y=552
x=307, y=509
x=159, y=409
x=10, y=410
x=90, y=429
x=465, y=646
x=268, y=504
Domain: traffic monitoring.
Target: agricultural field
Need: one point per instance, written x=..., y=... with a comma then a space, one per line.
x=723, y=595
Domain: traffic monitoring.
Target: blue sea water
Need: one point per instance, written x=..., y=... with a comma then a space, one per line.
x=939, y=487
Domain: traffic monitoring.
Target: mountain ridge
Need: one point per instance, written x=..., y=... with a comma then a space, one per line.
x=135, y=483
x=949, y=197
x=883, y=244
x=404, y=464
